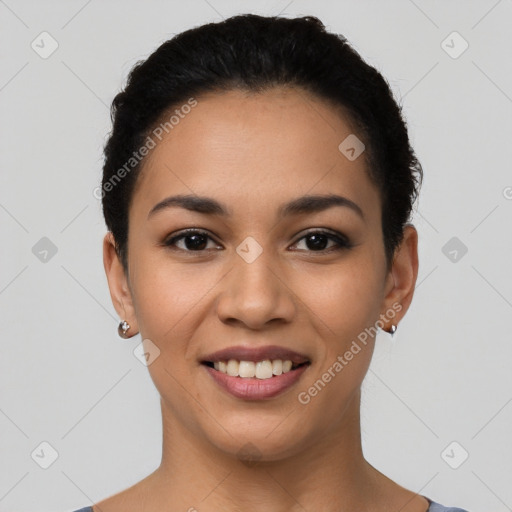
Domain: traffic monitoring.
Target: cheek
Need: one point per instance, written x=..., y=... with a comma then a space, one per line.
x=171, y=303
x=344, y=299
x=341, y=306
x=170, y=300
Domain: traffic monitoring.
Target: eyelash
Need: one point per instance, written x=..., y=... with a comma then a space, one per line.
x=341, y=241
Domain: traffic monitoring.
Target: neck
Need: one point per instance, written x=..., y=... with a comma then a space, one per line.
x=194, y=474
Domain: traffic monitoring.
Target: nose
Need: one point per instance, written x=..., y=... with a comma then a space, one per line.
x=255, y=294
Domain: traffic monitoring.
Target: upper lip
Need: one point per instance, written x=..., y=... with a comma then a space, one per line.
x=244, y=353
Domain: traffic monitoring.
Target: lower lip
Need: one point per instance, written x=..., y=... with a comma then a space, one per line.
x=253, y=388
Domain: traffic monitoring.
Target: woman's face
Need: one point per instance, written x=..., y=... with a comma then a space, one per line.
x=259, y=274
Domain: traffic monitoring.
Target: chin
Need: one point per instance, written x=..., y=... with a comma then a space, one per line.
x=258, y=439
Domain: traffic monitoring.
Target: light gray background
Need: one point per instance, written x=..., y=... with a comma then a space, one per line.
x=65, y=376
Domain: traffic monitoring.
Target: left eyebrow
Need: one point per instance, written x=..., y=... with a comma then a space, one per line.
x=299, y=206
x=317, y=203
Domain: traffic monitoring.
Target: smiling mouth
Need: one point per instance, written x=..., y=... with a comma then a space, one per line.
x=263, y=370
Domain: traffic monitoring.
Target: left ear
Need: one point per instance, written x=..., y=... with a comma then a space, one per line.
x=401, y=279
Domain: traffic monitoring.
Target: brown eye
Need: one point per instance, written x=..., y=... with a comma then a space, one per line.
x=318, y=241
x=190, y=240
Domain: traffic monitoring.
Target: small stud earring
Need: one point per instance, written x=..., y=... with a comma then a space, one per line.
x=123, y=328
x=392, y=329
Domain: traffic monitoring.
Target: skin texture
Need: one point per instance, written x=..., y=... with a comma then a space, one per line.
x=254, y=152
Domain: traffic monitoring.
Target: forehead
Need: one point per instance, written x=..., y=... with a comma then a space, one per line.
x=255, y=150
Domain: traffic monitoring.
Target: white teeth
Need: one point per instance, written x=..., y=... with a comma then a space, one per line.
x=287, y=366
x=277, y=367
x=248, y=369
x=264, y=369
x=232, y=368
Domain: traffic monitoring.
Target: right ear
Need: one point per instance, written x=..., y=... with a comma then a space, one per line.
x=118, y=283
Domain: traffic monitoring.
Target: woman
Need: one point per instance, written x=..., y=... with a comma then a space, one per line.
x=257, y=188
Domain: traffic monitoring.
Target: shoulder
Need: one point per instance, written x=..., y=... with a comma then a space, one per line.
x=434, y=507
x=437, y=507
